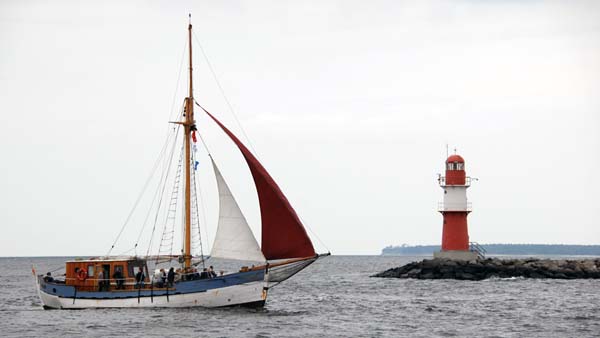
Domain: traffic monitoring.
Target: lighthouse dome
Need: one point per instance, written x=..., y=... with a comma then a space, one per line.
x=455, y=158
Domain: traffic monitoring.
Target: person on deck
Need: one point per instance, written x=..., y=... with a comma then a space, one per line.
x=48, y=278
x=106, y=280
x=211, y=272
x=118, y=276
x=101, y=280
x=171, y=277
x=204, y=274
x=139, y=279
x=195, y=275
x=162, y=278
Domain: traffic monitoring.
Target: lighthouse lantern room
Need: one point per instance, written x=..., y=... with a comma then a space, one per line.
x=455, y=208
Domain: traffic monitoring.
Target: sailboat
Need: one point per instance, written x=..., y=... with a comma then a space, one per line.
x=125, y=281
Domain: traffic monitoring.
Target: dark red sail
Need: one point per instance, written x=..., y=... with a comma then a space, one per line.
x=283, y=235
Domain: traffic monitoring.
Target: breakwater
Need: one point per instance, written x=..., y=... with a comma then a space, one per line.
x=495, y=267
x=501, y=249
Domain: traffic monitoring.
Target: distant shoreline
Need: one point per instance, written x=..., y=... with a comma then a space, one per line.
x=502, y=249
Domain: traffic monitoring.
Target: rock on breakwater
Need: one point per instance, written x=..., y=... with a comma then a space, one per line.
x=495, y=267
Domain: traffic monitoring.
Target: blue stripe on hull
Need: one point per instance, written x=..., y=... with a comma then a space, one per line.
x=182, y=287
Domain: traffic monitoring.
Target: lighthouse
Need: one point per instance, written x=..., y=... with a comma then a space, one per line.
x=455, y=209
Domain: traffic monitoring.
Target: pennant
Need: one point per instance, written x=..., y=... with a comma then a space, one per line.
x=194, y=136
x=196, y=165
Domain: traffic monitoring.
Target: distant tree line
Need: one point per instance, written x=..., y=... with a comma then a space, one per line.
x=503, y=249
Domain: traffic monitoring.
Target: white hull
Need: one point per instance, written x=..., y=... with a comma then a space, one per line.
x=250, y=293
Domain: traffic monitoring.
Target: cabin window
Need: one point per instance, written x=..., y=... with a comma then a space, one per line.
x=90, y=270
x=460, y=166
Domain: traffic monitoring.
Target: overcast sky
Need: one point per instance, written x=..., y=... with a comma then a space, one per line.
x=349, y=105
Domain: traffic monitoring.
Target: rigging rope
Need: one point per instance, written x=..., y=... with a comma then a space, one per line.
x=171, y=213
x=127, y=251
x=203, y=215
x=178, y=80
x=169, y=135
x=152, y=172
x=158, y=160
x=158, y=188
x=202, y=138
x=301, y=220
x=223, y=94
x=200, y=187
x=196, y=207
x=313, y=233
x=166, y=169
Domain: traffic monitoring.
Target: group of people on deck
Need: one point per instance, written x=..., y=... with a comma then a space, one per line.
x=162, y=279
x=166, y=279
x=104, y=281
x=180, y=275
x=205, y=274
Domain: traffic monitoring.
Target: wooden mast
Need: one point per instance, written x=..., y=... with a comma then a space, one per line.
x=188, y=128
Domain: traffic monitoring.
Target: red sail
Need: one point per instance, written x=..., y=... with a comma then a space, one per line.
x=283, y=235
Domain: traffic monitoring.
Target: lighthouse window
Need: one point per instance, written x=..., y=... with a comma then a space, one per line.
x=455, y=166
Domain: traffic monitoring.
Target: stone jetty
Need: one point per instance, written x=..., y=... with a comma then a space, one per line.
x=495, y=267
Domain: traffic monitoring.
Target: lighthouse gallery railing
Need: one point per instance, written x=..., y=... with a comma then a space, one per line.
x=442, y=181
x=455, y=206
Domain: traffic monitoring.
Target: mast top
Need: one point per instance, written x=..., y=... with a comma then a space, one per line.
x=191, y=91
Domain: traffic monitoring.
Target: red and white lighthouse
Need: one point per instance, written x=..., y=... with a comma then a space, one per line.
x=455, y=209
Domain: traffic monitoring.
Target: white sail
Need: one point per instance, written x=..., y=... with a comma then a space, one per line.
x=234, y=239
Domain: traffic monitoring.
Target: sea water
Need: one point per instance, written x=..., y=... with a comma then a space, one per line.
x=335, y=297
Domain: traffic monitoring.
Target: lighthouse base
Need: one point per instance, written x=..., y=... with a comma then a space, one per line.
x=456, y=255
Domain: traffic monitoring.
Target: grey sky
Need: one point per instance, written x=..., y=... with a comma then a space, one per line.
x=349, y=105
